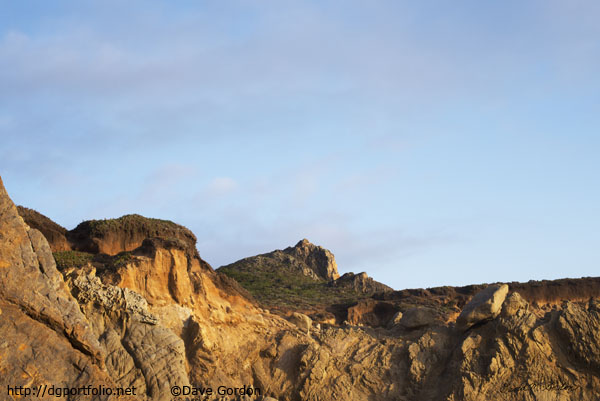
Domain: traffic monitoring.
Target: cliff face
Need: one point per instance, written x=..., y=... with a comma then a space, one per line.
x=45, y=337
x=161, y=317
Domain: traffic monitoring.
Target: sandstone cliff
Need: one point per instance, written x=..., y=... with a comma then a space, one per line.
x=161, y=317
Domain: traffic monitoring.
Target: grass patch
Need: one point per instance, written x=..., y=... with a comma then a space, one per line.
x=284, y=288
x=109, y=262
x=67, y=259
x=130, y=222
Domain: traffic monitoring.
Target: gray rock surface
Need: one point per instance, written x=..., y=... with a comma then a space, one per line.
x=513, y=305
x=417, y=317
x=303, y=322
x=485, y=305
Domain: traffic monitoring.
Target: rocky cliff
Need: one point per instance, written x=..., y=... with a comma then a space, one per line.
x=45, y=338
x=161, y=318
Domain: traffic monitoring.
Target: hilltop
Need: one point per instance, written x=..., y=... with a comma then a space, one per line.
x=302, y=278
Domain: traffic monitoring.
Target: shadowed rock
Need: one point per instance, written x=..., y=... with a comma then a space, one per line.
x=54, y=233
x=417, y=317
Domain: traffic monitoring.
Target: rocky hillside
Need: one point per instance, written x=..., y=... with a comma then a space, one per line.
x=302, y=278
x=161, y=319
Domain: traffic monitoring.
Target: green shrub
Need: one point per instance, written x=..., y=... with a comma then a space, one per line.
x=67, y=259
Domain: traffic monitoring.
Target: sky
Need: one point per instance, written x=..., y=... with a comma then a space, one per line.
x=427, y=143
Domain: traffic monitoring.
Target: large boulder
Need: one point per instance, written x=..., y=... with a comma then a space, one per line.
x=303, y=322
x=485, y=305
x=417, y=317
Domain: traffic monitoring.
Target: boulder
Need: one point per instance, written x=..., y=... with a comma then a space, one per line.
x=417, y=317
x=303, y=322
x=485, y=305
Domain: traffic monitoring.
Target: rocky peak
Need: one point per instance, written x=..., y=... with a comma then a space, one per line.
x=318, y=259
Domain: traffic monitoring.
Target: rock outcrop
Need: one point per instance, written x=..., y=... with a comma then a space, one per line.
x=304, y=278
x=360, y=282
x=112, y=236
x=316, y=258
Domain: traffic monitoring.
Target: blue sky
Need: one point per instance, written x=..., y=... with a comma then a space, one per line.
x=427, y=143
